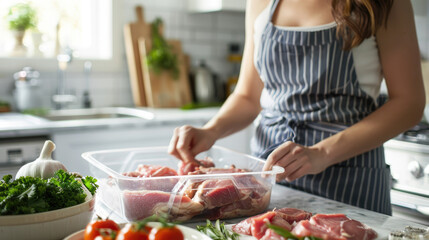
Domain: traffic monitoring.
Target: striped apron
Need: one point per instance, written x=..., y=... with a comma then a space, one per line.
x=311, y=92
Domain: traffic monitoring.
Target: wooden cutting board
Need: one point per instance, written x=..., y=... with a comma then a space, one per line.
x=132, y=32
x=162, y=89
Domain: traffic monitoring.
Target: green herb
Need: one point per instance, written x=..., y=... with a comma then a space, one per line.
x=218, y=231
x=288, y=235
x=21, y=17
x=161, y=56
x=28, y=195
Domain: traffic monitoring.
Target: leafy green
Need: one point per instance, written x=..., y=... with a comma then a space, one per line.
x=218, y=231
x=21, y=17
x=161, y=56
x=288, y=235
x=28, y=195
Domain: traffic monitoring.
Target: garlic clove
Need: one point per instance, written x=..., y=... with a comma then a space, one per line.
x=44, y=166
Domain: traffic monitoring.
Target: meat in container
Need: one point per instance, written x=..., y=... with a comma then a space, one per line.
x=235, y=187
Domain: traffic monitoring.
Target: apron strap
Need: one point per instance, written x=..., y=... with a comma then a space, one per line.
x=273, y=9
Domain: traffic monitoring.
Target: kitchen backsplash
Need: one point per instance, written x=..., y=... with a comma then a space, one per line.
x=203, y=35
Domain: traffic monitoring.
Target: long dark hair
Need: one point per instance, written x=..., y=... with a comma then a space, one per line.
x=359, y=19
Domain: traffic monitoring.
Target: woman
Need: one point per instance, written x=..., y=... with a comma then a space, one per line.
x=312, y=71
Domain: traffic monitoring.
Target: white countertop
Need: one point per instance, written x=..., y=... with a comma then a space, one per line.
x=17, y=124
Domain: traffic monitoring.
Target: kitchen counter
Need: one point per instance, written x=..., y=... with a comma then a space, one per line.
x=18, y=125
x=286, y=197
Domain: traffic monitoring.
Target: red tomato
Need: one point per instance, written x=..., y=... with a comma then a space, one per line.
x=131, y=231
x=166, y=233
x=100, y=227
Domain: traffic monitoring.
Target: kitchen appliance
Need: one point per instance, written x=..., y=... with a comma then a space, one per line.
x=204, y=84
x=27, y=91
x=408, y=157
x=15, y=152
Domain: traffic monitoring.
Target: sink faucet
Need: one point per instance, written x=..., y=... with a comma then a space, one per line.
x=63, y=97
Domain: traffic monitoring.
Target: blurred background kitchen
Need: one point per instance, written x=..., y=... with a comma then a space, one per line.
x=76, y=54
x=92, y=32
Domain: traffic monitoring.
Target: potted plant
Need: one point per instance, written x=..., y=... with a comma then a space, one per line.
x=20, y=18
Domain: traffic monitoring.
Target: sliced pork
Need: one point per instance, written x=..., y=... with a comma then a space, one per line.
x=256, y=226
x=142, y=204
x=271, y=235
x=225, y=196
x=334, y=227
x=247, y=207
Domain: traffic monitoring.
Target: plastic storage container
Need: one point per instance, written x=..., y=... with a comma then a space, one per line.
x=225, y=194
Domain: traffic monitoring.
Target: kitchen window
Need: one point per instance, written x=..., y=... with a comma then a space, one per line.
x=82, y=27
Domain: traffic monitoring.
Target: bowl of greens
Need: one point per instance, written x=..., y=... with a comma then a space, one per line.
x=52, y=208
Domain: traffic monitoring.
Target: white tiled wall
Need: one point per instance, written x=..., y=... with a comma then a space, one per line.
x=203, y=35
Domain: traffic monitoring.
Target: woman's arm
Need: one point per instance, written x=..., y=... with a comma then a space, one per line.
x=400, y=60
x=238, y=111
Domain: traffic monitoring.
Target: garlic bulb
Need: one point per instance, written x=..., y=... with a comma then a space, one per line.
x=44, y=166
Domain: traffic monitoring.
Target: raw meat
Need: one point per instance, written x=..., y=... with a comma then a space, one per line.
x=246, y=207
x=334, y=227
x=186, y=168
x=141, y=204
x=225, y=196
x=151, y=171
x=271, y=235
x=216, y=193
x=256, y=226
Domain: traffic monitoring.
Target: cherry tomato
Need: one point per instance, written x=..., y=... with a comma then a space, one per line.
x=133, y=231
x=100, y=227
x=166, y=233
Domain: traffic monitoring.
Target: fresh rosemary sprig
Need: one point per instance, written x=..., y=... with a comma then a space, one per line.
x=217, y=231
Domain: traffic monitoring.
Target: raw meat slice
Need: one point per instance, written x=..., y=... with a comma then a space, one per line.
x=256, y=226
x=305, y=228
x=155, y=171
x=356, y=230
x=334, y=227
x=141, y=204
x=292, y=215
x=271, y=235
x=186, y=168
x=216, y=192
x=246, y=207
x=151, y=171
x=210, y=170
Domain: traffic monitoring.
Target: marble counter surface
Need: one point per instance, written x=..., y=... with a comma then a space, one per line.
x=286, y=197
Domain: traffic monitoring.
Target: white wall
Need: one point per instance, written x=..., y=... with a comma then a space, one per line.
x=203, y=35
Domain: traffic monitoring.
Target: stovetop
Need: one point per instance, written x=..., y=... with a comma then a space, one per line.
x=417, y=134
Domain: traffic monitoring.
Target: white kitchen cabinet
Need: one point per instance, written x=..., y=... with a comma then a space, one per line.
x=216, y=5
x=72, y=143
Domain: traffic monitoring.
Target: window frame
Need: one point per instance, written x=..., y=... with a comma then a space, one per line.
x=50, y=64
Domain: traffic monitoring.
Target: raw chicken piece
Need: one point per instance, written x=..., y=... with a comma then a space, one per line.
x=334, y=227
x=141, y=204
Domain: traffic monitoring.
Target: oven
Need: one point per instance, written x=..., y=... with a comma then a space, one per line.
x=408, y=158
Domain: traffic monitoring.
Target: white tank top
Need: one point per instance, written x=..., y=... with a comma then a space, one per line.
x=366, y=59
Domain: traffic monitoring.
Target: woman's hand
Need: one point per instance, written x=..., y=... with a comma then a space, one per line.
x=297, y=160
x=188, y=141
